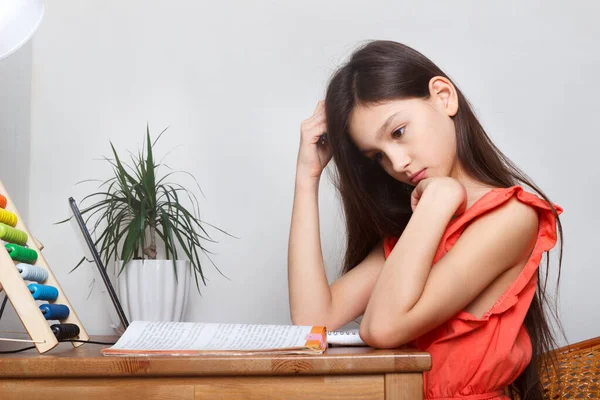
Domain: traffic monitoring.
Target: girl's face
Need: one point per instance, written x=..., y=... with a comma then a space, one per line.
x=411, y=139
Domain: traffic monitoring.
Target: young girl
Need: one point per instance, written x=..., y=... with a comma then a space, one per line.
x=443, y=244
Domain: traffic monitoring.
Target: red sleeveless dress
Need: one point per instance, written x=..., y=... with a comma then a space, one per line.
x=477, y=358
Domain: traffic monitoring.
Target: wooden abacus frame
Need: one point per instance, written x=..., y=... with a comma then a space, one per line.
x=21, y=298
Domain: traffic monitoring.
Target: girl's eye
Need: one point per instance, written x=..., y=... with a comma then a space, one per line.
x=398, y=133
x=377, y=157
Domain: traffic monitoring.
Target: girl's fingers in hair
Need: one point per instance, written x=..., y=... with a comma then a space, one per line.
x=311, y=123
x=314, y=131
x=314, y=119
x=322, y=139
x=319, y=134
x=320, y=107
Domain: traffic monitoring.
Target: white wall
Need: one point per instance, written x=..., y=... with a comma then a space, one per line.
x=15, y=126
x=235, y=79
x=15, y=135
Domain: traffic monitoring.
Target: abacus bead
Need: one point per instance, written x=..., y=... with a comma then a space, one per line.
x=43, y=292
x=54, y=311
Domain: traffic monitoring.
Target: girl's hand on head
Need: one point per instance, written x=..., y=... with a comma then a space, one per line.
x=314, y=152
x=447, y=190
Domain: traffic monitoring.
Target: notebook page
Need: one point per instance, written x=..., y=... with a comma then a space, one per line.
x=163, y=335
x=349, y=337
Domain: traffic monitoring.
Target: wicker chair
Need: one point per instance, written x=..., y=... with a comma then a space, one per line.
x=579, y=364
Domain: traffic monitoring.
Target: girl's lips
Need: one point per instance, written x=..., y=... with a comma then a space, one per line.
x=420, y=175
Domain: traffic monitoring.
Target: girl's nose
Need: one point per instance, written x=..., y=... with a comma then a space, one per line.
x=400, y=162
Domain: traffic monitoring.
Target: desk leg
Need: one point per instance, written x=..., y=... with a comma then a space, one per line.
x=404, y=386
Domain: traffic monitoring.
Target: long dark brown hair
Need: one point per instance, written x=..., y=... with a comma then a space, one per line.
x=376, y=205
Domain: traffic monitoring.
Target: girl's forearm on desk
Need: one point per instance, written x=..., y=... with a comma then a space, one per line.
x=405, y=272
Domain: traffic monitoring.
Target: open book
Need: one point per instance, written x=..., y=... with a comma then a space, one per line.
x=193, y=338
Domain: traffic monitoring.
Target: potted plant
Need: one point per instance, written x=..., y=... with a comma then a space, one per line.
x=135, y=213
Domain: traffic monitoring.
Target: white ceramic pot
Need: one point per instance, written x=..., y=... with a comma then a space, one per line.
x=149, y=291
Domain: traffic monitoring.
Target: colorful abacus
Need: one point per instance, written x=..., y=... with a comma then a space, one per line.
x=21, y=260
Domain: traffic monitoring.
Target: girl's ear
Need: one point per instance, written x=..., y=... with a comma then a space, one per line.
x=443, y=93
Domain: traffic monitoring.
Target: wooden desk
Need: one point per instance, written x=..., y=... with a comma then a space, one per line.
x=83, y=373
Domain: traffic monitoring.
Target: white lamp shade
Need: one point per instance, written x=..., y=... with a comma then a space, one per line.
x=19, y=19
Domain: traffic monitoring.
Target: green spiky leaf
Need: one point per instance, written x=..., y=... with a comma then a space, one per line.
x=135, y=204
